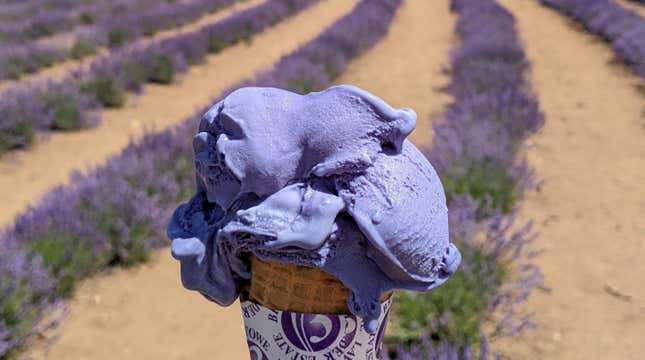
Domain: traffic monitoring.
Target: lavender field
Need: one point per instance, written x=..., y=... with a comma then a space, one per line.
x=40, y=35
x=531, y=112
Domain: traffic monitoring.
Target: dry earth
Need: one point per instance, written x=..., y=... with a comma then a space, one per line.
x=61, y=69
x=144, y=313
x=589, y=213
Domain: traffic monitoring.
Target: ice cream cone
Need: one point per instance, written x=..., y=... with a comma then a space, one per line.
x=304, y=187
x=295, y=288
x=301, y=312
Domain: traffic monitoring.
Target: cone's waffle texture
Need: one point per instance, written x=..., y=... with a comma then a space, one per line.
x=289, y=287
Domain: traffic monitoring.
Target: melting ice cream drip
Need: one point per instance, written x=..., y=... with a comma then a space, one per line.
x=325, y=180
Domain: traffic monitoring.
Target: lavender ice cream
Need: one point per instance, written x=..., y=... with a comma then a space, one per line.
x=326, y=180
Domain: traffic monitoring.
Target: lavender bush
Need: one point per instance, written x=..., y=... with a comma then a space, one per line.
x=477, y=151
x=49, y=106
x=16, y=130
x=47, y=23
x=17, y=61
x=25, y=290
x=106, y=80
x=113, y=215
x=65, y=107
x=623, y=28
x=83, y=47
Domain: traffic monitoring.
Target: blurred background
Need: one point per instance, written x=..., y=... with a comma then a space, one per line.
x=532, y=112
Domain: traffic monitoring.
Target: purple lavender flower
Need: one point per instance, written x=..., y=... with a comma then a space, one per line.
x=623, y=28
x=25, y=289
x=65, y=107
x=631, y=48
x=17, y=61
x=47, y=23
x=52, y=105
x=17, y=127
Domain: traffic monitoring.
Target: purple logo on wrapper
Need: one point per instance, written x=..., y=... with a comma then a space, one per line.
x=275, y=334
x=256, y=351
x=310, y=332
x=351, y=326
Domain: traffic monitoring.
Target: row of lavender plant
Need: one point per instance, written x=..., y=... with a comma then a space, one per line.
x=21, y=10
x=106, y=24
x=115, y=214
x=49, y=18
x=624, y=29
x=73, y=102
x=28, y=21
x=477, y=151
x=90, y=23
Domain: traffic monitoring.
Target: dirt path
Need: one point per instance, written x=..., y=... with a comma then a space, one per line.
x=143, y=313
x=589, y=212
x=61, y=69
x=26, y=175
x=405, y=68
x=638, y=8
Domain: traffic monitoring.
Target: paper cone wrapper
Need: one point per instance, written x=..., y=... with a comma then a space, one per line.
x=274, y=334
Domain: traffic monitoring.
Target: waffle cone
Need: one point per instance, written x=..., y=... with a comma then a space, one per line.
x=289, y=287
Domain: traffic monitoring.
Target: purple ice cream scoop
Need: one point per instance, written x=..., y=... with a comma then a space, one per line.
x=326, y=180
